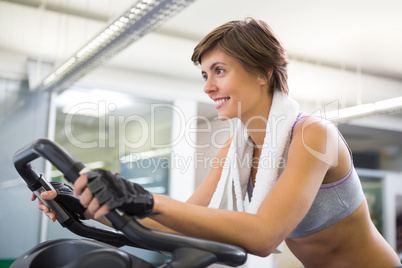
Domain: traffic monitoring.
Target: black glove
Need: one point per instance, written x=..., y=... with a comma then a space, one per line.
x=117, y=192
x=65, y=197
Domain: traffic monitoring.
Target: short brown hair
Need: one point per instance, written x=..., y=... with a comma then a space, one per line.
x=254, y=44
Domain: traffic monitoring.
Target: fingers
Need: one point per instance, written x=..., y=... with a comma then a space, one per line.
x=51, y=215
x=80, y=184
x=88, y=215
x=101, y=212
x=87, y=200
x=80, y=189
x=49, y=195
x=93, y=206
x=96, y=210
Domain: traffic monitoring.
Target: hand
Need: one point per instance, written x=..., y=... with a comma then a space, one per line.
x=49, y=195
x=102, y=191
x=66, y=199
x=87, y=200
x=63, y=195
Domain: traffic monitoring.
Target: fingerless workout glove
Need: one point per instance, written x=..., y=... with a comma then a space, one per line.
x=117, y=192
x=65, y=197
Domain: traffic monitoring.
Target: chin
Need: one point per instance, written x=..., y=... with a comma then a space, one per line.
x=224, y=117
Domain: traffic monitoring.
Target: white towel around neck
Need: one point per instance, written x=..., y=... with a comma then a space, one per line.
x=230, y=193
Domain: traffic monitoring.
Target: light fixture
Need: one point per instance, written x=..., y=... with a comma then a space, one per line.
x=94, y=102
x=140, y=19
x=387, y=106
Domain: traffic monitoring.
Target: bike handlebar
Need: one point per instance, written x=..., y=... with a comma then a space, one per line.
x=204, y=252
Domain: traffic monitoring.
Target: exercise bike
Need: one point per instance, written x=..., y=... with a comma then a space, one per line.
x=102, y=247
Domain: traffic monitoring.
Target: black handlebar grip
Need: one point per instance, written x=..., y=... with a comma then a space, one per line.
x=54, y=153
x=60, y=158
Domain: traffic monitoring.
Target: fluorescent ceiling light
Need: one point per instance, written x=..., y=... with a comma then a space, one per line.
x=141, y=18
x=395, y=103
x=370, y=109
x=93, y=103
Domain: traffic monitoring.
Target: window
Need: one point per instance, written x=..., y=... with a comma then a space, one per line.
x=118, y=132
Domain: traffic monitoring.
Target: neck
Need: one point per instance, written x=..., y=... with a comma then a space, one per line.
x=257, y=124
x=257, y=131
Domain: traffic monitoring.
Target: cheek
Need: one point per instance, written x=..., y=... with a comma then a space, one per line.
x=230, y=87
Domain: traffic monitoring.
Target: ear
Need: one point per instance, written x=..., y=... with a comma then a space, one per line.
x=264, y=80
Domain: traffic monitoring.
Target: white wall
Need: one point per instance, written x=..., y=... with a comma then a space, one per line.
x=212, y=135
x=313, y=85
x=317, y=85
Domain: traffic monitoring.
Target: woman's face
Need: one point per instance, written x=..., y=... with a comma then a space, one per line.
x=236, y=92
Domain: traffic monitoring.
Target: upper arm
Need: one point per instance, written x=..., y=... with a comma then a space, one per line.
x=202, y=196
x=310, y=155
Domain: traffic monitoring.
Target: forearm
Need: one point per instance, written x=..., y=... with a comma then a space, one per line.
x=145, y=222
x=243, y=229
x=154, y=225
x=256, y=233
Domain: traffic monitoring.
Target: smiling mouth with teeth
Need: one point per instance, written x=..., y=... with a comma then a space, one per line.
x=221, y=100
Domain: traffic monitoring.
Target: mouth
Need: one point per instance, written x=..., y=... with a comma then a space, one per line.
x=220, y=101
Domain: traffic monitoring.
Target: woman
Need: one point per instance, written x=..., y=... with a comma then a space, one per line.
x=285, y=176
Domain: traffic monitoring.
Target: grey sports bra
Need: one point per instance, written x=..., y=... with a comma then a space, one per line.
x=333, y=202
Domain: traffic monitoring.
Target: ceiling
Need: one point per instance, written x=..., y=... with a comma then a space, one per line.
x=351, y=33
x=362, y=35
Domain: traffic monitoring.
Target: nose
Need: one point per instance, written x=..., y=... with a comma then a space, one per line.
x=210, y=87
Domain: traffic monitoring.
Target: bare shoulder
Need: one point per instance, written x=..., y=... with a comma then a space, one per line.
x=316, y=137
x=314, y=126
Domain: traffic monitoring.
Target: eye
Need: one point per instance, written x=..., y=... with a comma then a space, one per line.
x=204, y=76
x=219, y=70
